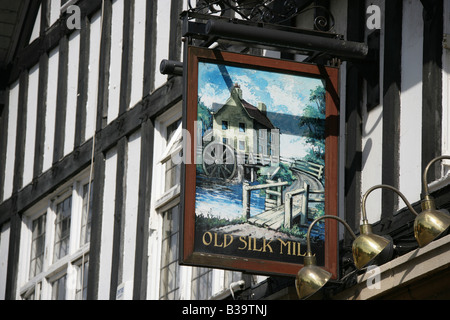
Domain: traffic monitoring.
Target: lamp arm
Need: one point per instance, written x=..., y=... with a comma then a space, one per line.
x=308, y=242
x=425, y=173
x=364, y=215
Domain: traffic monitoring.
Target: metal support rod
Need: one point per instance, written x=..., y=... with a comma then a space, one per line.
x=363, y=205
x=287, y=40
x=308, y=234
x=425, y=173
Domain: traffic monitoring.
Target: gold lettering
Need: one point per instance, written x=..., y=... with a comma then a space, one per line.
x=207, y=243
x=267, y=245
x=284, y=244
x=299, y=253
x=242, y=239
x=215, y=242
x=254, y=246
x=293, y=248
x=225, y=243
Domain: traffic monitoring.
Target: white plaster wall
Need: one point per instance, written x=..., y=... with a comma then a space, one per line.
x=107, y=225
x=30, y=135
x=72, y=91
x=4, y=249
x=55, y=11
x=11, y=141
x=37, y=26
x=131, y=206
x=52, y=88
x=93, y=76
x=137, y=79
x=162, y=39
x=115, y=70
x=410, y=180
x=372, y=138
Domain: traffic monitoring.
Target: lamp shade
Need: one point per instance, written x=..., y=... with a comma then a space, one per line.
x=310, y=278
x=430, y=223
x=368, y=246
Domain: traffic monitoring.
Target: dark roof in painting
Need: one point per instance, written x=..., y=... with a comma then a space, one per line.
x=256, y=114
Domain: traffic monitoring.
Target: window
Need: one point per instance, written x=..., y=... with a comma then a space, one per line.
x=168, y=167
x=201, y=288
x=171, y=129
x=169, y=284
x=224, y=125
x=242, y=145
x=37, y=246
x=54, y=251
x=62, y=225
x=173, y=172
x=174, y=145
x=241, y=127
x=34, y=293
x=59, y=288
x=82, y=277
x=86, y=214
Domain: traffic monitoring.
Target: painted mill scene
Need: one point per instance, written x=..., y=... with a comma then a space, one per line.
x=260, y=167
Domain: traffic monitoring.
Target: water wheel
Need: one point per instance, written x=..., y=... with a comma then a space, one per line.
x=219, y=161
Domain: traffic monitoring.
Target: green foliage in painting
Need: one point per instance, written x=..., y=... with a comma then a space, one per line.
x=312, y=122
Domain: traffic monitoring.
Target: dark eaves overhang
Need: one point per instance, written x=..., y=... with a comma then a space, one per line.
x=16, y=24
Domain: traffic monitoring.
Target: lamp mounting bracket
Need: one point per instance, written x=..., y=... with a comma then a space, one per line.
x=224, y=32
x=207, y=30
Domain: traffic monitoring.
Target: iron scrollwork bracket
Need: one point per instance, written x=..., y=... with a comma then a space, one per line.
x=265, y=11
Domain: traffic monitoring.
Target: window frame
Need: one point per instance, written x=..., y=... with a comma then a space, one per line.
x=53, y=279
x=89, y=206
x=59, y=221
x=161, y=146
x=225, y=125
x=200, y=275
x=41, y=284
x=44, y=235
x=170, y=259
x=81, y=278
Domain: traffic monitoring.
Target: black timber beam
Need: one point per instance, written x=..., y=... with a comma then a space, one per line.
x=433, y=28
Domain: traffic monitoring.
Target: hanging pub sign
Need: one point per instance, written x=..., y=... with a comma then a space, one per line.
x=261, y=147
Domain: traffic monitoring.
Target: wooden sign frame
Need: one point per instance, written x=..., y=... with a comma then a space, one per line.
x=207, y=238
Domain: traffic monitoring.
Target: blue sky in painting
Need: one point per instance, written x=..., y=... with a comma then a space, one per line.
x=282, y=93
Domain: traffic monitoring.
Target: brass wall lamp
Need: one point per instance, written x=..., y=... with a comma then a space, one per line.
x=371, y=242
x=430, y=223
x=311, y=277
x=367, y=248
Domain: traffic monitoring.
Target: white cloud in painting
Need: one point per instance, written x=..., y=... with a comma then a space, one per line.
x=291, y=92
x=249, y=91
x=293, y=146
x=210, y=93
